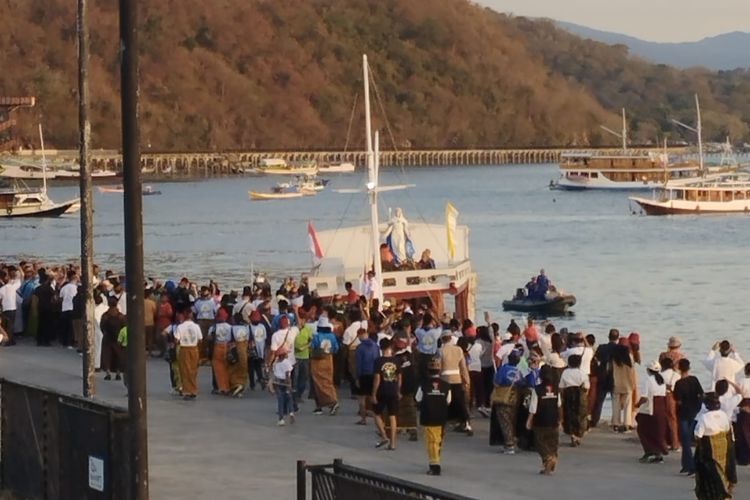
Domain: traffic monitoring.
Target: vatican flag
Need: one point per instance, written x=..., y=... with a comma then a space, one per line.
x=451, y=215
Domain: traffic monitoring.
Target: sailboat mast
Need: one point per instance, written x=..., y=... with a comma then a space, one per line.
x=44, y=161
x=372, y=183
x=624, y=131
x=700, y=133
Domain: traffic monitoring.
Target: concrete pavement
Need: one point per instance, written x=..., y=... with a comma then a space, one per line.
x=217, y=447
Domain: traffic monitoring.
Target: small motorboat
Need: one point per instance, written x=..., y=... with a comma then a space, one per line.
x=150, y=191
x=307, y=184
x=257, y=196
x=147, y=190
x=554, y=304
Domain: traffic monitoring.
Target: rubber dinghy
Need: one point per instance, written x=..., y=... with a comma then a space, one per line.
x=552, y=306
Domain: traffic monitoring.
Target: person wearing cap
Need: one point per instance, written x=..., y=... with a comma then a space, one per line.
x=324, y=346
x=715, y=464
x=188, y=336
x=723, y=362
x=434, y=398
x=219, y=336
x=453, y=370
x=651, y=417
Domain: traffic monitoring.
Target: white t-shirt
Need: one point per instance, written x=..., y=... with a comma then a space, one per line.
x=67, y=293
x=670, y=378
x=729, y=402
x=350, y=334
x=586, y=354
x=745, y=388
x=281, y=368
x=277, y=339
x=241, y=333
x=475, y=357
x=372, y=289
x=188, y=334
x=8, y=295
x=259, y=335
x=711, y=423
x=222, y=332
x=574, y=377
x=723, y=368
x=653, y=389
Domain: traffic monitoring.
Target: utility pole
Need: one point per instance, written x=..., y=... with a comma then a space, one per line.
x=133, y=215
x=87, y=209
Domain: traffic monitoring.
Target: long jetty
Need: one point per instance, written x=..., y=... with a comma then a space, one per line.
x=207, y=164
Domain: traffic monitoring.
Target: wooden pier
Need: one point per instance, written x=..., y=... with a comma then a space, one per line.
x=208, y=164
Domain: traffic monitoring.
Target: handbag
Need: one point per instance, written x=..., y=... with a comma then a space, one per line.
x=505, y=395
x=233, y=355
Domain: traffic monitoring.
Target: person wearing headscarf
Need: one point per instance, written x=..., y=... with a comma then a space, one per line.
x=324, y=346
x=715, y=465
x=652, y=417
x=544, y=419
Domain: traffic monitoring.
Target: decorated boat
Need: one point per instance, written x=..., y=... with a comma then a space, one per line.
x=348, y=254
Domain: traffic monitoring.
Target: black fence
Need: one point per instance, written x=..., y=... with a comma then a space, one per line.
x=344, y=482
x=55, y=445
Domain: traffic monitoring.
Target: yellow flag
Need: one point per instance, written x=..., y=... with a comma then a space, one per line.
x=451, y=215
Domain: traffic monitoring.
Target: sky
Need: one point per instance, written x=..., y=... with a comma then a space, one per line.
x=654, y=20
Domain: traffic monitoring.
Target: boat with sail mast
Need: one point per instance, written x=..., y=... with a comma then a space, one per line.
x=348, y=253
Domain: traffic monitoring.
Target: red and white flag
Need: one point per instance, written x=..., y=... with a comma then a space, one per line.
x=314, y=244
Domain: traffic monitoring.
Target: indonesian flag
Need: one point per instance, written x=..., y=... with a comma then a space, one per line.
x=314, y=244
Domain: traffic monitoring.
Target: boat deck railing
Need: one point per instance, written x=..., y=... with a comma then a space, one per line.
x=406, y=281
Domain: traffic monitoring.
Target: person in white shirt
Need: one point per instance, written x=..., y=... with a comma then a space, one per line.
x=188, y=335
x=283, y=339
x=9, y=303
x=651, y=418
x=723, y=362
x=67, y=294
x=99, y=309
x=372, y=289
x=717, y=474
x=474, y=364
x=282, y=386
x=581, y=348
x=729, y=400
x=574, y=390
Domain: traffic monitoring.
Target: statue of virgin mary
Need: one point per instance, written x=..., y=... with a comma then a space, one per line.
x=398, y=239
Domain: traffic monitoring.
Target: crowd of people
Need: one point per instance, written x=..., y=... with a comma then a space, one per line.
x=408, y=367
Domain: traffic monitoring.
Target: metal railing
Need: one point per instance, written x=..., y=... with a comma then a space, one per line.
x=338, y=481
x=54, y=445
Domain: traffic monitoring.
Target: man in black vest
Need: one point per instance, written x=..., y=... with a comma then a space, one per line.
x=434, y=397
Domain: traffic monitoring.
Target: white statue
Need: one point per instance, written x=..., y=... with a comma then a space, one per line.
x=397, y=237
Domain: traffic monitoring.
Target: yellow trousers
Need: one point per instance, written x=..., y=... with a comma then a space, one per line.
x=433, y=438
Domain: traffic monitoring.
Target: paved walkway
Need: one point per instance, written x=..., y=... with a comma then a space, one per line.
x=232, y=449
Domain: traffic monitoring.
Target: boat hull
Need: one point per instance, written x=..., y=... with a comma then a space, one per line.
x=255, y=196
x=289, y=171
x=52, y=210
x=679, y=207
x=557, y=306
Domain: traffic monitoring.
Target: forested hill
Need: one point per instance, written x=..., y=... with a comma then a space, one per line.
x=230, y=74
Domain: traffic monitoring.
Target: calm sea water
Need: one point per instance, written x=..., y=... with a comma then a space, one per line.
x=683, y=276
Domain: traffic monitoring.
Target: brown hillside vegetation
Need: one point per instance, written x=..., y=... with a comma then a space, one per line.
x=231, y=74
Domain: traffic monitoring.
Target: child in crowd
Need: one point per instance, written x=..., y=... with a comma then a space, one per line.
x=282, y=386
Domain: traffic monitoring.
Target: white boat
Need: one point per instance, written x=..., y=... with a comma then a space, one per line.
x=336, y=168
x=22, y=201
x=722, y=193
x=349, y=251
x=258, y=196
x=304, y=183
x=25, y=172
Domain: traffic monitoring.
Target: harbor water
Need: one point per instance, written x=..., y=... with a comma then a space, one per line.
x=683, y=276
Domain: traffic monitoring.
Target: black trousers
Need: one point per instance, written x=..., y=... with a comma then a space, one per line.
x=66, y=328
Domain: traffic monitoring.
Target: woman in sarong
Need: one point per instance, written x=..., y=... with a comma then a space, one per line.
x=505, y=399
x=238, y=371
x=652, y=417
x=544, y=419
x=574, y=385
x=324, y=346
x=219, y=336
x=715, y=466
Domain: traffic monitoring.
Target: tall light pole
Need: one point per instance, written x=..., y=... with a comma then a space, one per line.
x=87, y=209
x=133, y=215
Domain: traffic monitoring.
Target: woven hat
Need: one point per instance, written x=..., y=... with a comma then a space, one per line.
x=674, y=342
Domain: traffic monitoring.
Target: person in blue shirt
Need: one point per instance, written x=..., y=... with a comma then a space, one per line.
x=542, y=284
x=365, y=355
x=428, y=336
x=505, y=400
x=283, y=311
x=324, y=345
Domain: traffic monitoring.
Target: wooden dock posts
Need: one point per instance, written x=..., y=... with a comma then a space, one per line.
x=211, y=164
